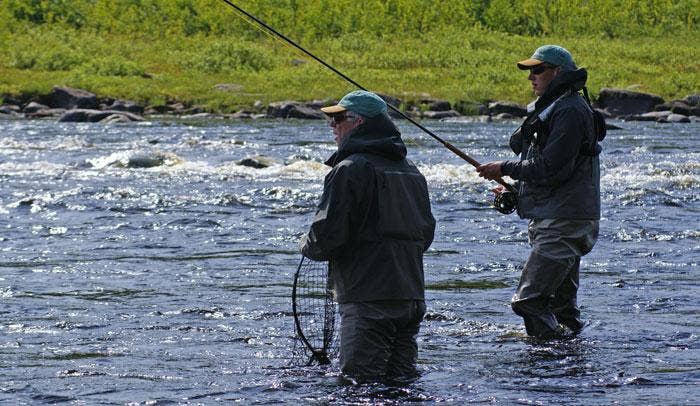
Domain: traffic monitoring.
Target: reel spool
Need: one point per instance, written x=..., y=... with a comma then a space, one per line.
x=506, y=202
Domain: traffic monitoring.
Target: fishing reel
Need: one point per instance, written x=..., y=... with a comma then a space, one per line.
x=506, y=202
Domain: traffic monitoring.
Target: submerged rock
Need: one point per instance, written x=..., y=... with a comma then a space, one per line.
x=145, y=160
x=137, y=160
x=257, y=162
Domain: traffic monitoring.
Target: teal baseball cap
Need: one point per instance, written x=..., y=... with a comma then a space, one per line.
x=362, y=102
x=551, y=54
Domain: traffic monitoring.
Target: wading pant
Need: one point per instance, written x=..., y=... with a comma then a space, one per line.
x=546, y=294
x=378, y=339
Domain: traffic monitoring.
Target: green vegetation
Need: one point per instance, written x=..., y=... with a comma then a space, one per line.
x=154, y=51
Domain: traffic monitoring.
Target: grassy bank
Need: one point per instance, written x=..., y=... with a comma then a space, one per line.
x=143, y=58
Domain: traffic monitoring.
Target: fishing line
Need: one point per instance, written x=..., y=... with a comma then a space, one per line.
x=446, y=144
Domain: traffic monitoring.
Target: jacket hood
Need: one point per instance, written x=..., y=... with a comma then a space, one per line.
x=377, y=135
x=566, y=80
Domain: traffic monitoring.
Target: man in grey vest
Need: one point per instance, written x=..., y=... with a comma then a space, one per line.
x=373, y=224
x=558, y=187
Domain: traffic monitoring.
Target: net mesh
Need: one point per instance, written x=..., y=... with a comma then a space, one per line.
x=315, y=315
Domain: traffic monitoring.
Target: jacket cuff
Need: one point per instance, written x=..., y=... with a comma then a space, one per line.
x=510, y=168
x=309, y=250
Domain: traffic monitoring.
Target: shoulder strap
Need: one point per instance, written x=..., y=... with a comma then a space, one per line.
x=598, y=119
x=588, y=99
x=598, y=127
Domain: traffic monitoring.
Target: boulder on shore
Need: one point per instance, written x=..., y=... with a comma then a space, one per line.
x=619, y=102
x=650, y=116
x=468, y=108
x=126, y=105
x=504, y=116
x=692, y=100
x=43, y=113
x=93, y=116
x=679, y=107
x=440, y=114
x=293, y=109
x=10, y=109
x=69, y=98
x=665, y=116
x=38, y=110
x=676, y=118
x=437, y=105
x=33, y=107
x=514, y=109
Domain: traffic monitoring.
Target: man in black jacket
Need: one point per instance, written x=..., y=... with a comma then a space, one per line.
x=373, y=224
x=558, y=190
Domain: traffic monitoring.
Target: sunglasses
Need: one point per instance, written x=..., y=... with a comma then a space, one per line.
x=541, y=68
x=339, y=118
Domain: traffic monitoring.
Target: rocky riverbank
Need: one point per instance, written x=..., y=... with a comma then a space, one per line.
x=76, y=105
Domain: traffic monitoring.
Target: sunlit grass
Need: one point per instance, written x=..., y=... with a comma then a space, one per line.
x=456, y=65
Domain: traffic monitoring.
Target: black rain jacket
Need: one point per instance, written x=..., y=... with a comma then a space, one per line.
x=559, y=176
x=374, y=221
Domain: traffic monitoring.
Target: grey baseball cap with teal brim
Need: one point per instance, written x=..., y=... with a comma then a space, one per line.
x=551, y=54
x=362, y=102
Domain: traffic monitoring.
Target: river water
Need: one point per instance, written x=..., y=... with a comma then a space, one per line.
x=139, y=264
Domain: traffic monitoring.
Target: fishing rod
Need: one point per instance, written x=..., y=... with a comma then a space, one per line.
x=503, y=203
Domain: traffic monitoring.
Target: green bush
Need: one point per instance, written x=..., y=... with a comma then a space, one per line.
x=226, y=56
x=58, y=58
x=112, y=66
x=69, y=12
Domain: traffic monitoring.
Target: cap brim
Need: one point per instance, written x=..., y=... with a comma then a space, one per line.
x=529, y=63
x=333, y=109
